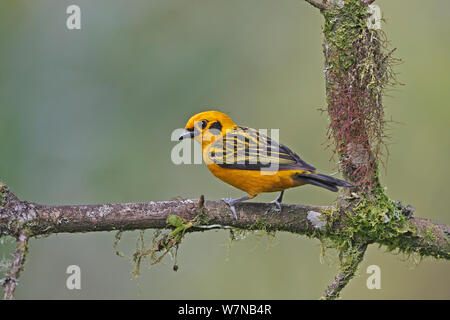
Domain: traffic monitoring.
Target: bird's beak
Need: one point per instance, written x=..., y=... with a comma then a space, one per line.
x=186, y=134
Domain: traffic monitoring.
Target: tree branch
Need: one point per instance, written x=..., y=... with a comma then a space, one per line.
x=23, y=219
x=318, y=5
x=347, y=273
x=11, y=279
x=423, y=236
x=42, y=219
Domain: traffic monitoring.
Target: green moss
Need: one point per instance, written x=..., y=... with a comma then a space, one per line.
x=202, y=218
x=3, y=194
x=429, y=235
x=262, y=223
x=117, y=239
x=342, y=28
x=374, y=218
x=356, y=63
x=180, y=225
x=358, y=69
x=351, y=43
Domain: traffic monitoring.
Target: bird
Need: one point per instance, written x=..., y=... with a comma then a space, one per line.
x=251, y=161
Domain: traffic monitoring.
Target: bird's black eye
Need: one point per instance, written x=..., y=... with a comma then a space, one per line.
x=203, y=124
x=216, y=126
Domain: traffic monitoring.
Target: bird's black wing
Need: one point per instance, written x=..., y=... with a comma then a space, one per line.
x=249, y=149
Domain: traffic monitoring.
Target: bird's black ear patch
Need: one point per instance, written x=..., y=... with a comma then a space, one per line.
x=216, y=126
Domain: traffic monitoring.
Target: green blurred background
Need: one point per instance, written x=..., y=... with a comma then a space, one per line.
x=86, y=117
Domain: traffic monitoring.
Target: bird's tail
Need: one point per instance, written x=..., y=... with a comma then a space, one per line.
x=322, y=180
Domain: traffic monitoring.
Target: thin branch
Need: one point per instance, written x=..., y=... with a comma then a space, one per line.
x=347, y=273
x=318, y=5
x=11, y=279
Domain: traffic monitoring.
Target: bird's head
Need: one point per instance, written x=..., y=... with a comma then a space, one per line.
x=205, y=127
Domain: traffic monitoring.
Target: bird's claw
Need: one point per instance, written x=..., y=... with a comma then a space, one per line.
x=278, y=204
x=277, y=208
x=227, y=200
x=230, y=203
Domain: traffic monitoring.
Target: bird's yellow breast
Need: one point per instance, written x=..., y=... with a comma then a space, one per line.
x=254, y=181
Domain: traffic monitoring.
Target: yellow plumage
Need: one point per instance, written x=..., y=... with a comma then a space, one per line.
x=249, y=160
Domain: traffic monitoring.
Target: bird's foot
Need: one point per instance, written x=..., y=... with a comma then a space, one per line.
x=276, y=207
x=277, y=204
x=230, y=202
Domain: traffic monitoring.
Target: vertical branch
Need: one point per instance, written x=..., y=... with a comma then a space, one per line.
x=357, y=69
x=11, y=279
x=347, y=273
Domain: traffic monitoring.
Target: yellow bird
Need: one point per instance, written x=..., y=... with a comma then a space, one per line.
x=249, y=160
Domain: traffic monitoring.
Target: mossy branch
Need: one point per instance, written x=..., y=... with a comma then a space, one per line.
x=349, y=267
x=358, y=68
x=22, y=219
x=326, y=3
x=12, y=277
x=318, y=5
